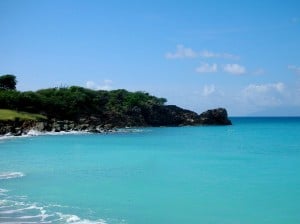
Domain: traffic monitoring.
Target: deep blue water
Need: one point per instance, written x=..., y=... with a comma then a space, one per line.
x=241, y=174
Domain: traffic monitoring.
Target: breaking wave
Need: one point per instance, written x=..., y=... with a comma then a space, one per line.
x=17, y=210
x=10, y=175
x=33, y=133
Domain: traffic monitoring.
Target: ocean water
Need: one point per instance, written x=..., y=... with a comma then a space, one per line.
x=241, y=174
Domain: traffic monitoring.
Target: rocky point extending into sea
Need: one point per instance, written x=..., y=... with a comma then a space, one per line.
x=169, y=115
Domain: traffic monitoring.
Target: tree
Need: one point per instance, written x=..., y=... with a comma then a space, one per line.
x=8, y=82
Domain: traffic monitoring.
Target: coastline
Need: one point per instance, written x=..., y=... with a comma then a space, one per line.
x=34, y=132
x=32, y=128
x=92, y=124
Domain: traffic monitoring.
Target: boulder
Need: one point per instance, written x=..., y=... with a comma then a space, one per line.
x=215, y=117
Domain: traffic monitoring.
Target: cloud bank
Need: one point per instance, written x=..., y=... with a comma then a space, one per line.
x=181, y=52
x=294, y=69
x=208, y=90
x=207, y=68
x=185, y=52
x=234, y=69
x=106, y=85
x=210, y=54
x=269, y=94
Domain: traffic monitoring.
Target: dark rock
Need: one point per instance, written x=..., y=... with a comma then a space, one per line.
x=170, y=116
x=18, y=132
x=154, y=115
x=40, y=126
x=215, y=117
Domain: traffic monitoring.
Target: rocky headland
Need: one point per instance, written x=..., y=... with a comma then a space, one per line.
x=75, y=108
x=158, y=115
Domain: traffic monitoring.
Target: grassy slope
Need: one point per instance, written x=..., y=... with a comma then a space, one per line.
x=12, y=115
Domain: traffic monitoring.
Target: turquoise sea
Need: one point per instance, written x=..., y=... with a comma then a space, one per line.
x=247, y=173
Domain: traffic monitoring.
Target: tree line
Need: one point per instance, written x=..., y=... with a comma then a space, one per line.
x=74, y=102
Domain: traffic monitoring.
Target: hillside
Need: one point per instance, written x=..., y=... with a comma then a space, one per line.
x=78, y=108
x=12, y=115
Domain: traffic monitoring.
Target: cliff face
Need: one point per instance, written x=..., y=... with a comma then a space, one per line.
x=155, y=116
x=176, y=116
x=217, y=116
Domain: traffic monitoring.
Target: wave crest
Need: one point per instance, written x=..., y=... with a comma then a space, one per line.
x=18, y=210
x=74, y=219
x=11, y=175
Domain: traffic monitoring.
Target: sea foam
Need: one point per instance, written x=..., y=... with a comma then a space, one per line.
x=12, y=210
x=74, y=219
x=10, y=175
x=33, y=133
x=15, y=212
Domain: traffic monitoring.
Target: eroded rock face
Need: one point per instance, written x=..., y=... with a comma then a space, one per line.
x=215, y=117
x=156, y=116
x=176, y=116
x=170, y=115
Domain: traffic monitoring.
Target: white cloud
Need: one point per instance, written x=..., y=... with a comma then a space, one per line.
x=259, y=71
x=279, y=87
x=234, y=69
x=207, y=68
x=207, y=54
x=294, y=68
x=269, y=94
x=208, y=90
x=106, y=85
x=184, y=52
x=210, y=54
x=91, y=85
x=181, y=52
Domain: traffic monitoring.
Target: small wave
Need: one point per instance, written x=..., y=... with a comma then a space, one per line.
x=12, y=210
x=33, y=133
x=130, y=130
x=3, y=191
x=21, y=212
x=5, y=137
x=74, y=219
x=66, y=133
x=10, y=175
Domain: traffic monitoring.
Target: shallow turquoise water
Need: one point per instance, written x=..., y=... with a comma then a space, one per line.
x=245, y=173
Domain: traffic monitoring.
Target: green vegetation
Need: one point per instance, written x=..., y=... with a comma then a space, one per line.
x=73, y=103
x=78, y=108
x=8, y=82
x=13, y=115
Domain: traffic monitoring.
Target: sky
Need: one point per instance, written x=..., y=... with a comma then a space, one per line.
x=241, y=55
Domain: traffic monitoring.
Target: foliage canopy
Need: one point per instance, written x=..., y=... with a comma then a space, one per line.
x=75, y=102
x=8, y=82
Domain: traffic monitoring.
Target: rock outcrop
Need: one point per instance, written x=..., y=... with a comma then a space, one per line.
x=156, y=116
x=215, y=117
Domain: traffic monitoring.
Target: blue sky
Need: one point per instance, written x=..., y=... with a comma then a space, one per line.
x=244, y=56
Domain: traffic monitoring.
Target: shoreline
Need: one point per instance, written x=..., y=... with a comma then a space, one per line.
x=34, y=132
x=174, y=118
